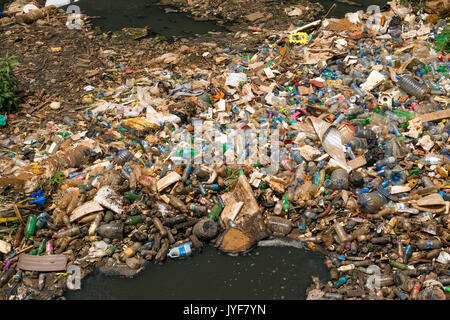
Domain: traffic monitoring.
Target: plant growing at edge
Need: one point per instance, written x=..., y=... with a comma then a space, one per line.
x=443, y=40
x=8, y=99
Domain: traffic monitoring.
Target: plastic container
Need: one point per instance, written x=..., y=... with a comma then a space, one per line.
x=181, y=251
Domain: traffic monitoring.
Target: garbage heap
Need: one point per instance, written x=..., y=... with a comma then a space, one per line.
x=332, y=134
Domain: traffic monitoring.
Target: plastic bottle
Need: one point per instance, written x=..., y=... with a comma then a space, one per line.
x=69, y=121
x=411, y=86
x=31, y=226
x=358, y=90
x=278, y=224
x=429, y=186
x=278, y=209
x=42, y=246
x=123, y=156
x=428, y=244
x=42, y=219
x=49, y=248
x=180, y=251
x=94, y=225
x=111, y=231
x=130, y=251
x=19, y=236
x=198, y=211
x=389, y=162
x=343, y=236
x=358, y=145
x=396, y=176
x=310, y=215
x=135, y=220
x=68, y=233
x=158, y=224
x=371, y=202
x=433, y=159
x=407, y=253
x=215, y=212
x=177, y=204
x=339, y=179
x=205, y=229
x=341, y=281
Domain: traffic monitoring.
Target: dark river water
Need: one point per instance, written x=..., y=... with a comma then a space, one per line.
x=266, y=273
x=114, y=15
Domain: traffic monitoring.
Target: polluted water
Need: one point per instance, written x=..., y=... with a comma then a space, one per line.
x=265, y=273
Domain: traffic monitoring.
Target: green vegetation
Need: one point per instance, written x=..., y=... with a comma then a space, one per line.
x=443, y=40
x=9, y=101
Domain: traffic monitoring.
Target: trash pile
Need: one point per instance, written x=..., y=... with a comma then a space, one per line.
x=333, y=134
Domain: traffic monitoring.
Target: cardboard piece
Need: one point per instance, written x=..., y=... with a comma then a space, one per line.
x=108, y=198
x=85, y=209
x=167, y=180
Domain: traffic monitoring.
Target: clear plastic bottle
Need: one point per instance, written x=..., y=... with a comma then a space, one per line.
x=343, y=236
x=358, y=145
x=411, y=86
x=123, y=156
x=68, y=233
x=278, y=224
x=389, y=161
x=433, y=159
x=396, y=176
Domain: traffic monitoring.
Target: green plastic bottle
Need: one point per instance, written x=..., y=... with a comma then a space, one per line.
x=363, y=121
x=215, y=212
x=131, y=196
x=42, y=247
x=402, y=113
x=31, y=226
x=316, y=178
x=286, y=204
x=134, y=220
x=398, y=265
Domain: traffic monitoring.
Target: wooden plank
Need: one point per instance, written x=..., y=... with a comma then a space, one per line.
x=433, y=116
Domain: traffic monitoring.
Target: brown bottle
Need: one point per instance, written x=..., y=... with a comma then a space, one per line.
x=177, y=203
x=19, y=236
x=130, y=251
x=158, y=224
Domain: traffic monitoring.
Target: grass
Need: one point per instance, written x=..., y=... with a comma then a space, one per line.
x=443, y=40
x=9, y=101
